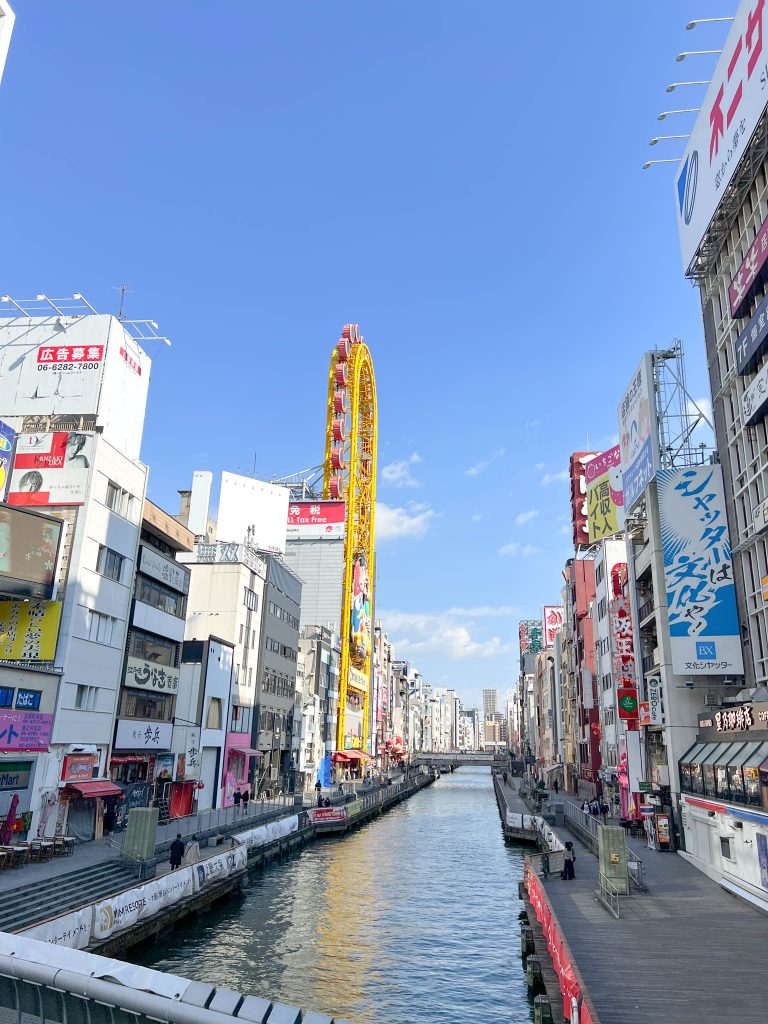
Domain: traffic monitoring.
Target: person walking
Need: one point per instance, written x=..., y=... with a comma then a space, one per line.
x=569, y=858
x=236, y=798
x=192, y=852
x=585, y=806
x=246, y=798
x=556, y=787
x=177, y=852
x=319, y=792
x=604, y=812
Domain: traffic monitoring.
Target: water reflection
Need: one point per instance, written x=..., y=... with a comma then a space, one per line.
x=411, y=919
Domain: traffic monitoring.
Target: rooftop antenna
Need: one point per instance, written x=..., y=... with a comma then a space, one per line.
x=124, y=290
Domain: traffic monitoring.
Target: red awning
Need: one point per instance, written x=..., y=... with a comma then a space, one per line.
x=354, y=755
x=339, y=758
x=95, y=788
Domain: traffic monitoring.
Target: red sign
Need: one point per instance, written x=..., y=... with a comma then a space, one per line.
x=739, y=288
x=70, y=354
x=644, y=709
x=553, y=623
x=321, y=814
x=627, y=701
x=599, y=466
x=579, y=515
x=133, y=363
x=724, y=109
x=622, y=643
x=316, y=518
x=77, y=767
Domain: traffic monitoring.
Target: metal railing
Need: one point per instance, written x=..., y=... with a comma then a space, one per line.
x=548, y=863
x=636, y=872
x=608, y=895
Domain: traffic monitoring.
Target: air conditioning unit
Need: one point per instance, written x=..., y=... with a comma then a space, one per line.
x=656, y=656
x=712, y=700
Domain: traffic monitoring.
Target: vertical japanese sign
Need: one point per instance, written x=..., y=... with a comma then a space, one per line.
x=605, y=497
x=638, y=433
x=622, y=643
x=698, y=572
x=732, y=107
x=530, y=632
x=553, y=623
x=7, y=441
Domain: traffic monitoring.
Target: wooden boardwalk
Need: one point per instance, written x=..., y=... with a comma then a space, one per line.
x=686, y=952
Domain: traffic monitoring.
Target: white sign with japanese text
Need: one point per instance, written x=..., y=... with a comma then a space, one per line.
x=135, y=734
x=147, y=675
x=72, y=930
x=163, y=569
x=732, y=107
x=638, y=434
x=698, y=572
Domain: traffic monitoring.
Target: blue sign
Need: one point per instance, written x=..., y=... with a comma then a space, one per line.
x=698, y=572
x=29, y=700
x=7, y=441
x=752, y=341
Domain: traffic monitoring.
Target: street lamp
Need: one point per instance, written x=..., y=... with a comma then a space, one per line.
x=695, y=53
x=664, y=138
x=685, y=110
x=650, y=163
x=676, y=85
x=703, y=21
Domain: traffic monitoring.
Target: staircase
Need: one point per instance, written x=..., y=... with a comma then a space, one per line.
x=22, y=907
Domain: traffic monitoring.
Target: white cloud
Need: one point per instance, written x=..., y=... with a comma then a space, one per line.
x=398, y=474
x=526, y=517
x=566, y=530
x=702, y=432
x=480, y=467
x=397, y=523
x=476, y=518
x=552, y=478
x=486, y=611
x=447, y=634
x=540, y=467
x=453, y=642
x=514, y=549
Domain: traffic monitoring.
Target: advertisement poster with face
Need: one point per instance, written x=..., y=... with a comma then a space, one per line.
x=361, y=607
x=7, y=440
x=51, y=469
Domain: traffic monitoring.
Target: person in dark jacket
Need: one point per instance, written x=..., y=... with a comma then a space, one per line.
x=569, y=857
x=177, y=852
x=236, y=798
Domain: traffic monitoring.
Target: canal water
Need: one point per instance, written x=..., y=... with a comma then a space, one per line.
x=411, y=919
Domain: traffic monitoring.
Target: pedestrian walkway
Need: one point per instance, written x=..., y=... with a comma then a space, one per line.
x=686, y=951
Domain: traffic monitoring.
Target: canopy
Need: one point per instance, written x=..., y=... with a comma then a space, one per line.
x=354, y=755
x=95, y=788
x=248, y=751
x=339, y=757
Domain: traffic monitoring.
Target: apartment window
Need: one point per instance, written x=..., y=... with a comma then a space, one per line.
x=118, y=499
x=213, y=718
x=109, y=563
x=157, y=707
x=237, y=673
x=152, y=648
x=250, y=599
x=241, y=719
x=725, y=847
x=250, y=677
x=157, y=595
x=85, y=697
x=100, y=627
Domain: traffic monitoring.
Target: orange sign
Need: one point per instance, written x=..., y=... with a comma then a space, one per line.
x=644, y=712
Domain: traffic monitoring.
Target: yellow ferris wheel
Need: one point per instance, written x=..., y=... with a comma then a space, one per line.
x=351, y=437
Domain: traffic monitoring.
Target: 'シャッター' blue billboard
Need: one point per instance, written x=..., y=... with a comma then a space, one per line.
x=698, y=572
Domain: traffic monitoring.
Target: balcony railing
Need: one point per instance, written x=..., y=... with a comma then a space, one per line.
x=646, y=609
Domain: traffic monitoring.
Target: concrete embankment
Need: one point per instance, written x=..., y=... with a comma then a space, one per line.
x=143, y=912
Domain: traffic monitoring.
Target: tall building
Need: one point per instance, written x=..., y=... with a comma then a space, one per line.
x=490, y=703
x=722, y=187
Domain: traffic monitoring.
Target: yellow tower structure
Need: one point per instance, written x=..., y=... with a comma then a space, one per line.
x=351, y=437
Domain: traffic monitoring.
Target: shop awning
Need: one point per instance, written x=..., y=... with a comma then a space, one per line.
x=716, y=755
x=757, y=757
x=354, y=755
x=747, y=752
x=339, y=758
x=95, y=788
x=248, y=751
x=693, y=753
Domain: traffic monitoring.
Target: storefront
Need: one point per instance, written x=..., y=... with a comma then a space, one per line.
x=237, y=765
x=724, y=784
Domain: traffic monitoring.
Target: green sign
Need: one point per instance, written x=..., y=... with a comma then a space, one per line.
x=645, y=787
x=14, y=774
x=629, y=703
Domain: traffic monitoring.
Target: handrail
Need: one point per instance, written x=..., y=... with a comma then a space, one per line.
x=608, y=895
x=636, y=871
x=124, y=851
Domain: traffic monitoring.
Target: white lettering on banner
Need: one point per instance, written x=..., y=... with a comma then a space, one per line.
x=72, y=930
x=221, y=866
x=732, y=107
x=736, y=719
x=270, y=833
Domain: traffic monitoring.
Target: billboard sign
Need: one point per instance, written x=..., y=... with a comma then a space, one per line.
x=577, y=473
x=29, y=552
x=698, y=572
x=626, y=699
x=754, y=400
x=29, y=630
x=25, y=730
x=51, y=469
x=360, y=615
x=638, y=434
x=134, y=734
x=309, y=519
x=164, y=570
x=751, y=343
x=750, y=274
x=732, y=107
x=7, y=441
x=531, y=636
x=252, y=512
x=622, y=643
x=147, y=675
x=605, y=497
x=553, y=623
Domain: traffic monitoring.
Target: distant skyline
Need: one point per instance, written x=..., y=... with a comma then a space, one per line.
x=460, y=180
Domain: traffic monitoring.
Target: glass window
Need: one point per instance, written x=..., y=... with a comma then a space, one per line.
x=241, y=719
x=100, y=627
x=85, y=697
x=157, y=595
x=152, y=648
x=721, y=768
x=118, y=499
x=109, y=563
x=157, y=707
x=725, y=847
x=213, y=718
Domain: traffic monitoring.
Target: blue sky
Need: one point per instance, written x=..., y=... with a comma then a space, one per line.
x=461, y=178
